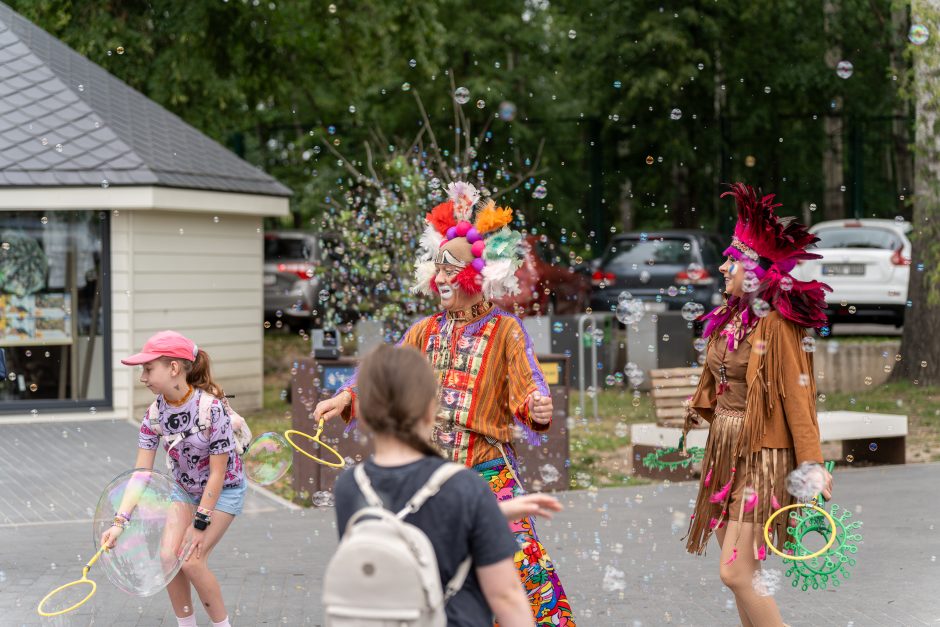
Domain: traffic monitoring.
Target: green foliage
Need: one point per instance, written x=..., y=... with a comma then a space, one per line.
x=597, y=81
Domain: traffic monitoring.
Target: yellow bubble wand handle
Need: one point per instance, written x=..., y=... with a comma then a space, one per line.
x=83, y=580
x=315, y=438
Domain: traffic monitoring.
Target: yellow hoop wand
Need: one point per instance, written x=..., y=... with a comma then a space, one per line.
x=800, y=558
x=84, y=579
x=315, y=438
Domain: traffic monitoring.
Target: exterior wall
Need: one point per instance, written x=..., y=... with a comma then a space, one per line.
x=185, y=271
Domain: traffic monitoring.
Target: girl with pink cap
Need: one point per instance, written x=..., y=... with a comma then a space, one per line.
x=190, y=413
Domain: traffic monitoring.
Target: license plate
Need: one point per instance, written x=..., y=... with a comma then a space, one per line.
x=843, y=269
x=270, y=279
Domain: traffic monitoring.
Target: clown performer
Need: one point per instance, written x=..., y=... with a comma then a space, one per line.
x=489, y=376
x=758, y=393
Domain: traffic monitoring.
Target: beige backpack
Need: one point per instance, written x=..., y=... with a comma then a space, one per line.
x=385, y=570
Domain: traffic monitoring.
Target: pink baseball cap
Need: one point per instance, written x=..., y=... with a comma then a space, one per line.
x=164, y=344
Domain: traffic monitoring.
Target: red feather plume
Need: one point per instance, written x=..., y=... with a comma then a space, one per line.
x=469, y=280
x=442, y=217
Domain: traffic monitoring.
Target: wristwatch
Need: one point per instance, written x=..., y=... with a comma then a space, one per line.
x=201, y=521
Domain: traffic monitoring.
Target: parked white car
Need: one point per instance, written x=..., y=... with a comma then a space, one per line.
x=867, y=263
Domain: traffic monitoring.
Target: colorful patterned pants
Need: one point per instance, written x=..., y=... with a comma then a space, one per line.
x=536, y=569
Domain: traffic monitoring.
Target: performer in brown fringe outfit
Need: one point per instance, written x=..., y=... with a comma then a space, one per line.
x=758, y=393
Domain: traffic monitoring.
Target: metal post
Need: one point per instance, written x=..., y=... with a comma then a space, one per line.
x=581, y=357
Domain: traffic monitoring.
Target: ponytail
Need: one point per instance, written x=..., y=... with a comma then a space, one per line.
x=199, y=375
x=395, y=387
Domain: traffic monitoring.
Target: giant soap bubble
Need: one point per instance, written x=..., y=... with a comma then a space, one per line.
x=148, y=553
x=268, y=458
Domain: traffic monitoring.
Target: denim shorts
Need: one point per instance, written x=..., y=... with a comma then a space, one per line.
x=230, y=501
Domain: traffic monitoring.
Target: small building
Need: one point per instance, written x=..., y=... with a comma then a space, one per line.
x=117, y=220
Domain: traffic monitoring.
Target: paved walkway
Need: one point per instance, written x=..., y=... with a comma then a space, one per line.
x=271, y=562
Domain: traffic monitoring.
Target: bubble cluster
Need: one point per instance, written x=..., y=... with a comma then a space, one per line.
x=767, y=581
x=629, y=310
x=806, y=481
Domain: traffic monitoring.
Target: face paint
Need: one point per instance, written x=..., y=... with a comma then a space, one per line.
x=731, y=269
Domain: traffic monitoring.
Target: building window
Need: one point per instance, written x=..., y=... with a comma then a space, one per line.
x=55, y=305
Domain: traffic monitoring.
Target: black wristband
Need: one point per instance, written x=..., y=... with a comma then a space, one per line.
x=201, y=516
x=200, y=524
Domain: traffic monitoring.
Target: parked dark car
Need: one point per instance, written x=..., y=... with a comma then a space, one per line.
x=547, y=282
x=291, y=285
x=671, y=266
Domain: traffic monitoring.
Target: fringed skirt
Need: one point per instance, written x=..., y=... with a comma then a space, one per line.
x=748, y=488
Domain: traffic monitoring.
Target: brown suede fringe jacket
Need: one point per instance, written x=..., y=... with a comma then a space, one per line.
x=781, y=393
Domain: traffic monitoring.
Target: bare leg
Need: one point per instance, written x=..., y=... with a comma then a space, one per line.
x=197, y=570
x=745, y=621
x=739, y=577
x=178, y=522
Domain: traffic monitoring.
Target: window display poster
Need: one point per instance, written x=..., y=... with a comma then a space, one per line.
x=36, y=317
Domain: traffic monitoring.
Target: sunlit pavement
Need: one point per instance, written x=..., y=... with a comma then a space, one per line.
x=271, y=562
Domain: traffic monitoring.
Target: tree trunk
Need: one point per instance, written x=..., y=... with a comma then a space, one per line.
x=920, y=343
x=900, y=125
x=833, y=174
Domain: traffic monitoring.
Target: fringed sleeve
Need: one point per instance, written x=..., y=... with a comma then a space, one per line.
x=797, y=390
x=524, y=375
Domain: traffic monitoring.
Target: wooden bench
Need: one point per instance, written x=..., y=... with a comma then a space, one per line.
x=869, y=437
x=671, y=388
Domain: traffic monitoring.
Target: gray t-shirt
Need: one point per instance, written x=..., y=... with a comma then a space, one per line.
x=462, y=519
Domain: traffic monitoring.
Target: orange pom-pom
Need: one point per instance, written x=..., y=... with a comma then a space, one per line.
x=442, y=217
x=492, y=217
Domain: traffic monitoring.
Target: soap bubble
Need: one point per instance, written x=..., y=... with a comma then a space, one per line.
x=613, y=579
x=751, y=282
x=844, y=69
x=539, y=192
x=786, y=284
x=675, y=114
x=507, y=111
x=692, y=310
x=809, y=344
x=760, y=307
x=766, y=581
x=549, y=473
x=806, y=481
x=462, y=95
x=918, y=34
x=149, y=552
x=267, y=459
x=629, y=310
x=700, y=344
x=323, y=498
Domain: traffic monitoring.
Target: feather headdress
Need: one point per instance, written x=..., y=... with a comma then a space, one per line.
x=486, y=249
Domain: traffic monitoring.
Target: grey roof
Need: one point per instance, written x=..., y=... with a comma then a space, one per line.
x=66, y=121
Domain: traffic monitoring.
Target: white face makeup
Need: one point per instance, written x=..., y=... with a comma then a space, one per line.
x=452, y=297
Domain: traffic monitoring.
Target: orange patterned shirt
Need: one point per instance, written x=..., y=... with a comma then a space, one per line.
x=487, y=369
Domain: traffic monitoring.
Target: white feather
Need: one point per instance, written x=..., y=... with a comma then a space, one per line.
x=499, y=278
x=424, y=272
x=465, y=196
x=429, y=243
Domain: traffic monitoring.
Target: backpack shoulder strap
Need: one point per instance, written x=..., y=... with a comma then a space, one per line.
x=365, y=486
x=153, y=419
x=431, y=487
x=456, y=582
x=205, y=406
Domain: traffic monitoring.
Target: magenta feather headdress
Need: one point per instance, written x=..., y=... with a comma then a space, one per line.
x=771, y=246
